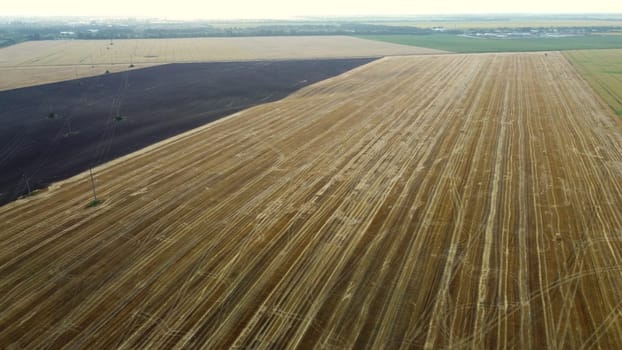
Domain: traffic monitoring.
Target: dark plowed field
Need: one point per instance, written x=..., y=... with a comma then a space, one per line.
x=51, y=132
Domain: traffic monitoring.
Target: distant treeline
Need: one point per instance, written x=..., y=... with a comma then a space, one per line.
x=284, y=30
x=17, y=31
x=14, y=32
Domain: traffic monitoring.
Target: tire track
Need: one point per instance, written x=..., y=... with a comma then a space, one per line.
x=430, y=202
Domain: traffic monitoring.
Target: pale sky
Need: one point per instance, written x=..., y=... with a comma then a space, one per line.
x=226, y=9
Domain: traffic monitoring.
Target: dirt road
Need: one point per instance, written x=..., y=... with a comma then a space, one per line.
x=423, y=202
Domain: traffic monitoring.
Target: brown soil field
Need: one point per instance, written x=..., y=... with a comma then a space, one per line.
x=51, y=132
x=39, y=62
x=463, y=201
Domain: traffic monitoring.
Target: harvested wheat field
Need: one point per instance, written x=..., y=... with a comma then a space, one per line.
x=434, y=201
x=39, y=62
x=52, y=132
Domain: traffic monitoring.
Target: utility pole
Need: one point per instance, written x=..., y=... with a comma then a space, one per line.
x=93, y=185
x=27, y=183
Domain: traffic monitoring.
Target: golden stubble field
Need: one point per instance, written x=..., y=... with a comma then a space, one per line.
x=39, y=62
x=463, y=201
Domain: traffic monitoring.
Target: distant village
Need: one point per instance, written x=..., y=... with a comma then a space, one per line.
x=522, y=33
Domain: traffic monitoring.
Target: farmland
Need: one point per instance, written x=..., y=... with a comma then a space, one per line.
x=39, y=62
x=451, y=201
x=603, y=70
x=51, y=132
x=507, y=23
x=455, y=43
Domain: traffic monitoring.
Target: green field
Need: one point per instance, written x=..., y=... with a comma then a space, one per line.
x=455, y=43
x=603, y=70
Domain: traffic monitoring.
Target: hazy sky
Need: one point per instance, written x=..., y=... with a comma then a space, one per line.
x=192, y=9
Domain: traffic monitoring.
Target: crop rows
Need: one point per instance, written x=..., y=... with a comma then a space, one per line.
x=442, y=201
